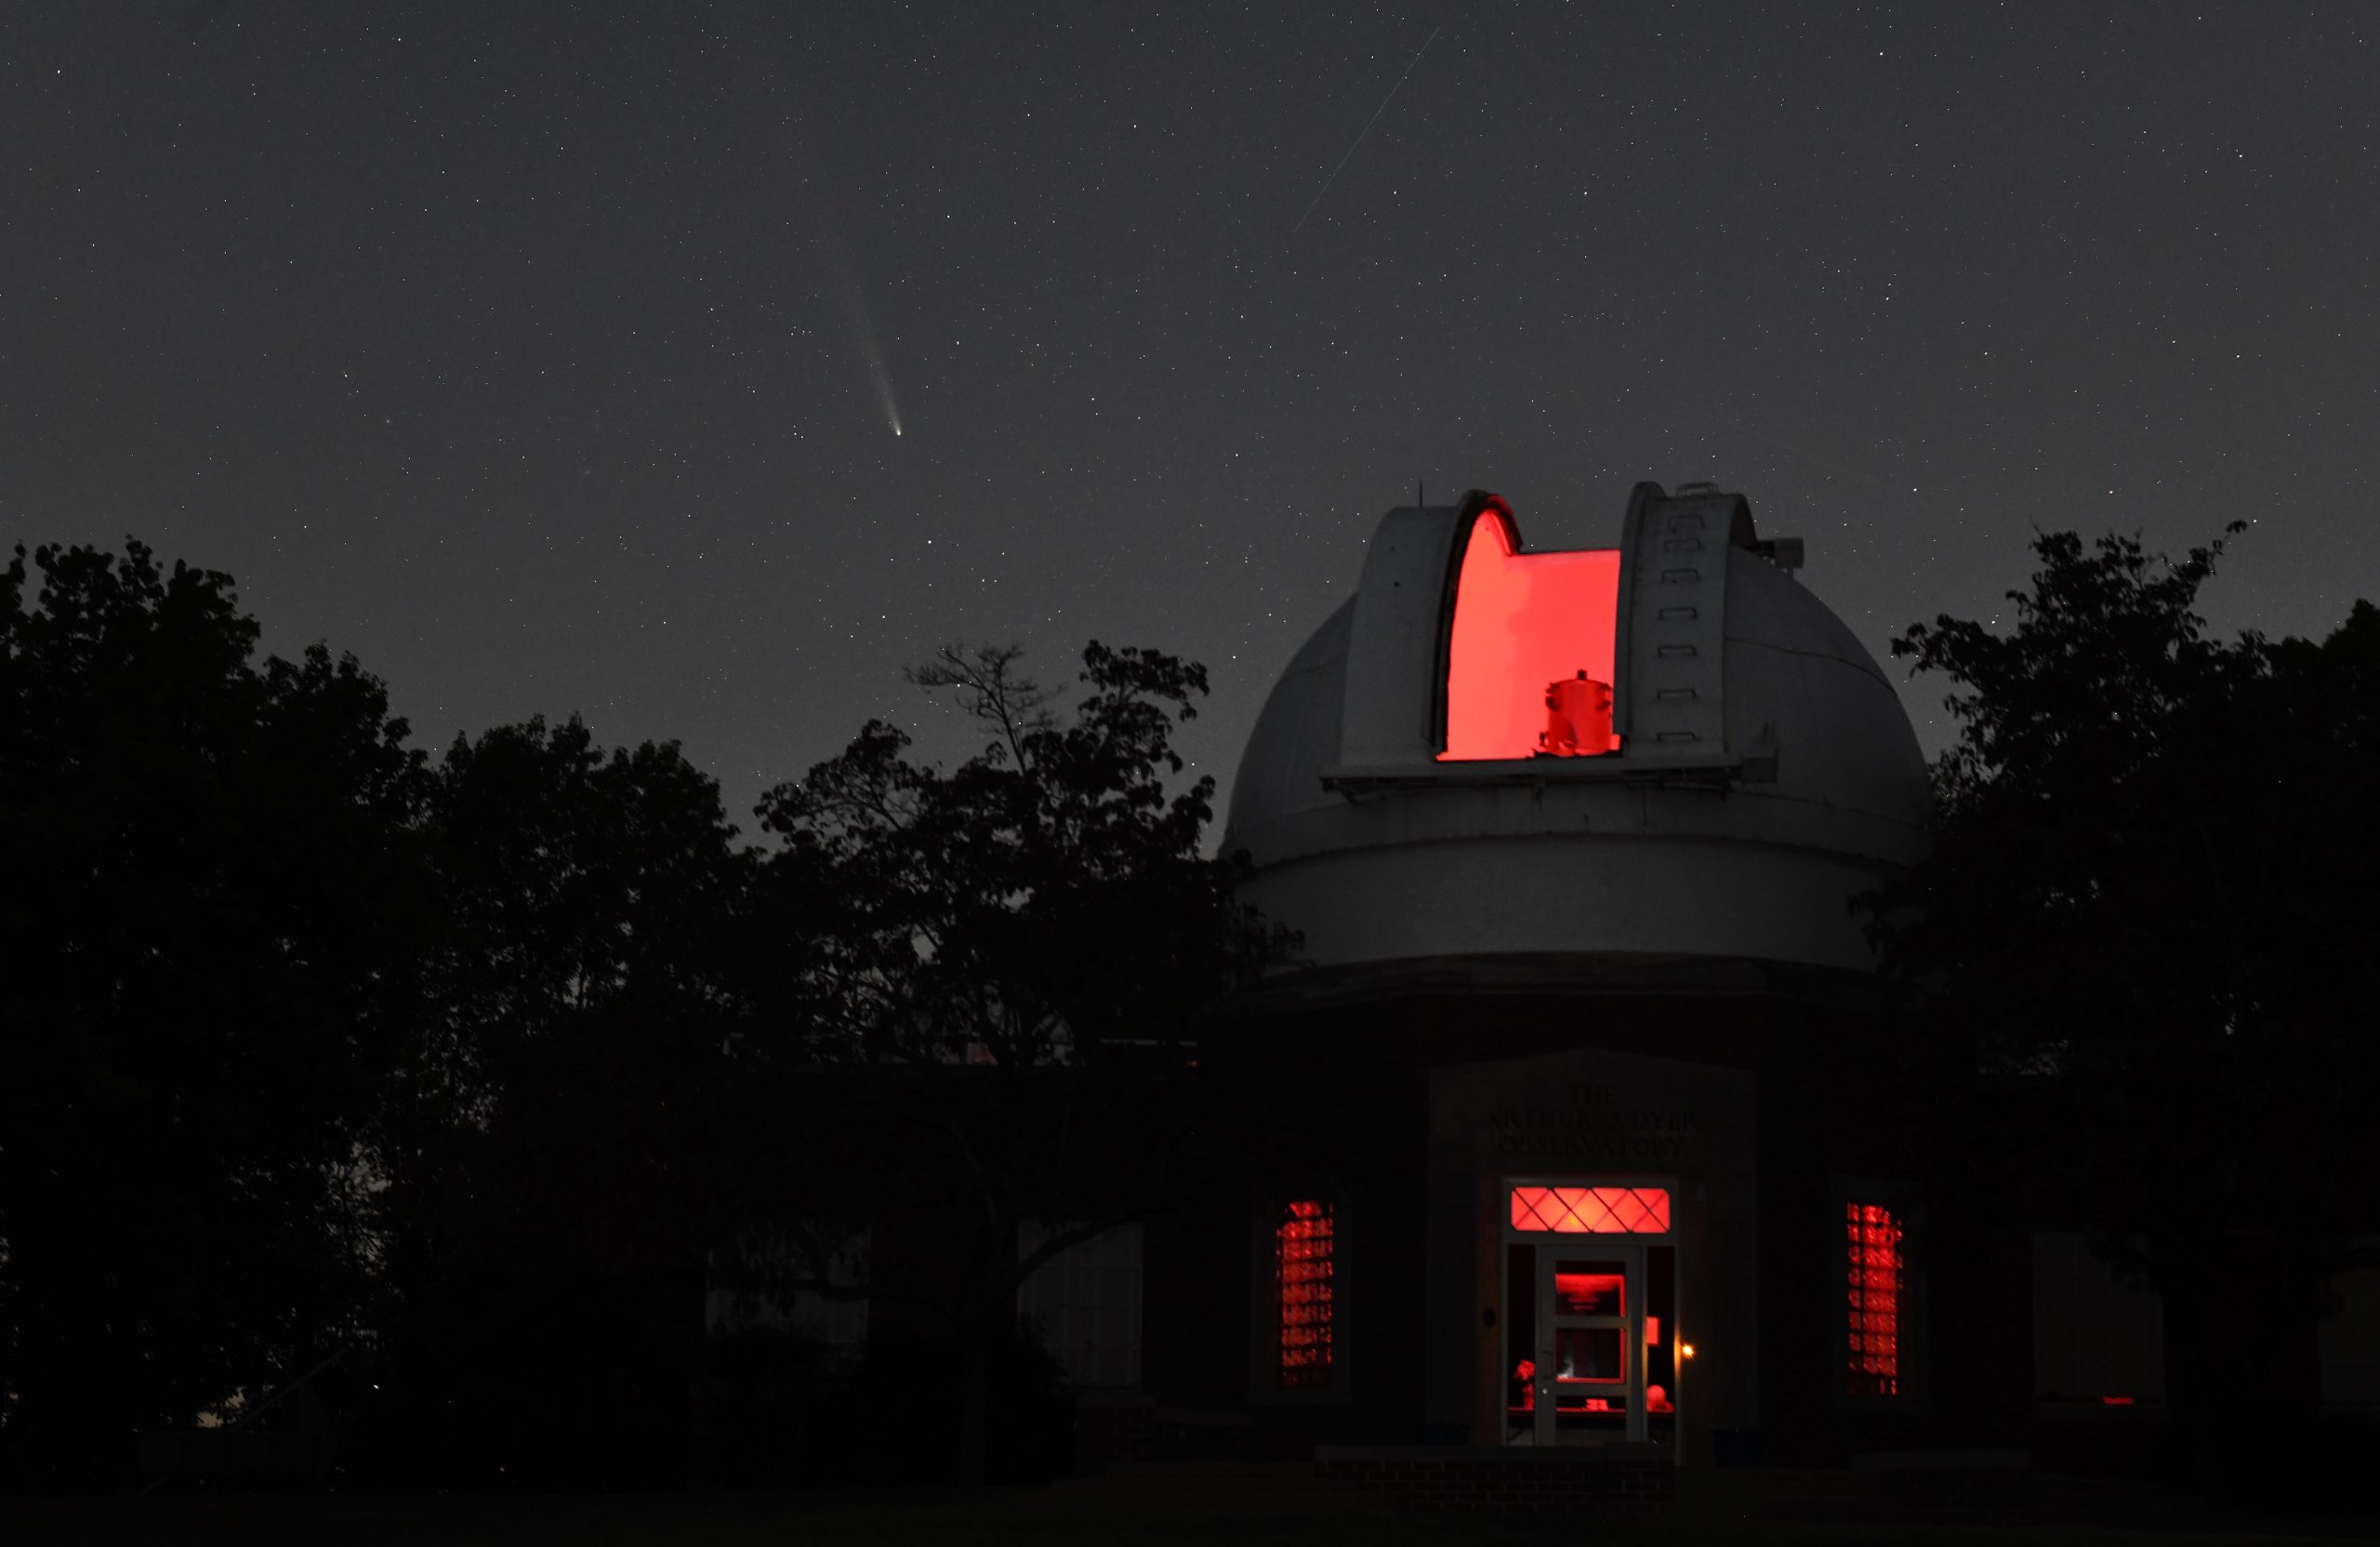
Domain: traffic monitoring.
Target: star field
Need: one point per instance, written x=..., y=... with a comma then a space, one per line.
x=546, y=360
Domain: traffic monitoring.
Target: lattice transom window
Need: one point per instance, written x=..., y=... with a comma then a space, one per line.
x=1593, y=1210
x=1302, y=1239
x=1873, y=1242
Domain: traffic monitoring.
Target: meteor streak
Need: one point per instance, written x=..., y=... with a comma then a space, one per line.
x=1367, y=129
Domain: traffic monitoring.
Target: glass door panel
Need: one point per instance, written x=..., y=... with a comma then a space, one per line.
x=1590, y=1340
x=1520, y=1344
x=1589, y=1357
x=1660, y=1343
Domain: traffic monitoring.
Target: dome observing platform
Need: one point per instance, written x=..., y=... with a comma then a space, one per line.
x=1670, y=749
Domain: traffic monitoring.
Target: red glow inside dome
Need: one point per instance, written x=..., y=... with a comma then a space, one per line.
x=1522, y=621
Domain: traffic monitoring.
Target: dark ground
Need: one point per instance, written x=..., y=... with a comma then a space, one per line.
x=1244, y=1507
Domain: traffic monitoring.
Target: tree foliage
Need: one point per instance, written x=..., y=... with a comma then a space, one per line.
x=1025, y=950
x=548, y=1209
x=314, y=1047
x=2072, y=803
x=477, y=1070
x=212, y=901
x=2144, y=917
x=1043, y=901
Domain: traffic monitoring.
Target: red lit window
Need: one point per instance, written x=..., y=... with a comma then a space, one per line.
x=1301, y=1263
x=1529, y=653
x=1872, y=1240
x=1593, y=1210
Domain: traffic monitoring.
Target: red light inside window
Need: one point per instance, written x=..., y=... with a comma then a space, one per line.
x=1529, y=627
x=1593, y=1210
x=1590, y=1294
x=1873, y=1239
x=1301, y=1263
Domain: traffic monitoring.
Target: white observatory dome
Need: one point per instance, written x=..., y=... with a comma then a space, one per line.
x=1765, y=772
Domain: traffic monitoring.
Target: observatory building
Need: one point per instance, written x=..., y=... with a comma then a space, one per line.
x=1596, y=1125
x=1582, y=1117
x=1585, y=1019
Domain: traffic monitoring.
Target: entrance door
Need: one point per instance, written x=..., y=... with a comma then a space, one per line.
x=1590, y=1315
x=1591, y=1340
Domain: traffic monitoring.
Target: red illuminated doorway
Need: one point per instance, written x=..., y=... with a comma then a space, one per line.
x=1590, y=1375
x=1591, y=1352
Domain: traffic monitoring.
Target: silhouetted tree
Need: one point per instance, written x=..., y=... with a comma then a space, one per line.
x=1035, y=939
x=2145, y=917
x=550, y=1212
x=310, y=1047
x=211, y=899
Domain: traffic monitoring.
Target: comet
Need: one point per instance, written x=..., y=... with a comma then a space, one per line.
x=839, y=264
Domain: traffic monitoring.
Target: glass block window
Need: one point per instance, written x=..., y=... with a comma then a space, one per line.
x=1301, y=1272
x=1873, y=1240
x=1593, y=1210
x=1086, y=1301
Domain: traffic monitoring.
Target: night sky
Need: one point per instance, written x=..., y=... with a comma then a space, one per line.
x=551, y=359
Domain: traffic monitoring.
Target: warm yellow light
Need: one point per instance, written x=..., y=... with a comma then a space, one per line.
x=1685, y=1350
